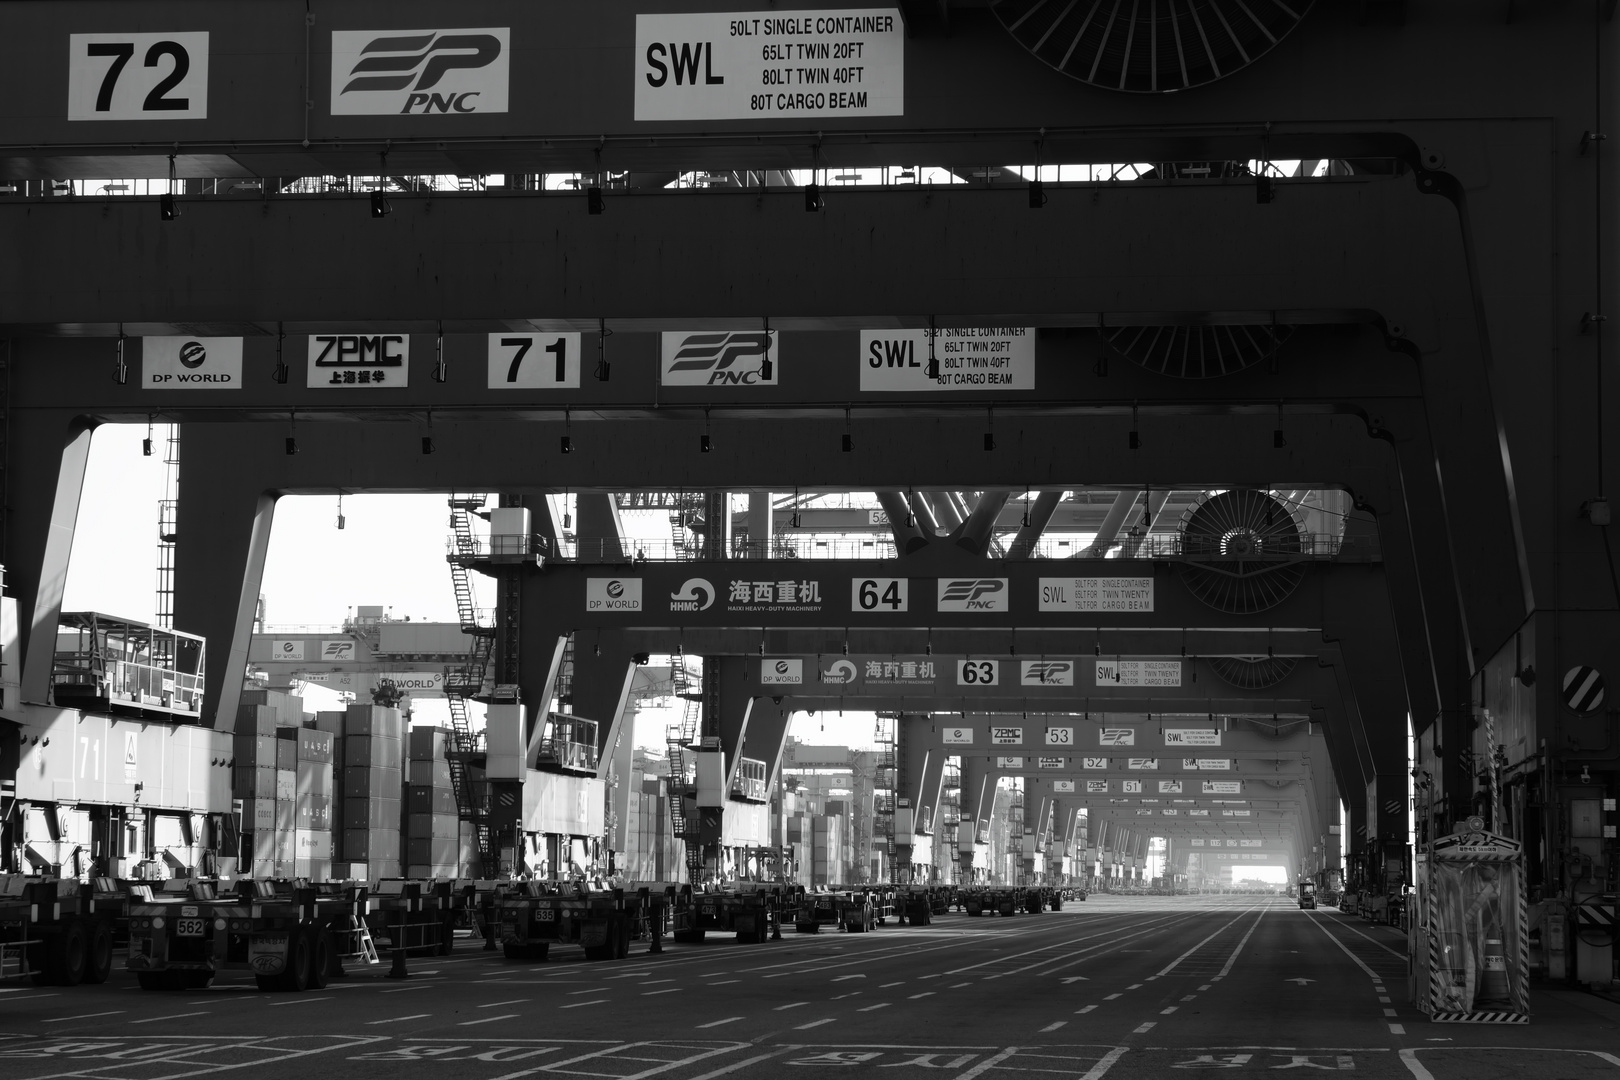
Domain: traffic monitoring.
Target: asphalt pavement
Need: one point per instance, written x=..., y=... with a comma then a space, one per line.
x=1123, y=988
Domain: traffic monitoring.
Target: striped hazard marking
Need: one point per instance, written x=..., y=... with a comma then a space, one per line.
x=1583, y=689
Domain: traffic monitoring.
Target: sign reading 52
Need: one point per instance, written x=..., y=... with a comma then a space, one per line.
x=534, y=361
x=978, y=673
x=880, y=594
x=138, y=76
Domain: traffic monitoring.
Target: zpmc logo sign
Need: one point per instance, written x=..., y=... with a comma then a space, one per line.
x=420, y=72
x=736, y=358
x=972, y=594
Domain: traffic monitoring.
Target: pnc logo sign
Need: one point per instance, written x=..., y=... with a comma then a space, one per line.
x=735, y=358
x=1046, y=673
x=972, y=594
x=422, y=72
x=695, y=594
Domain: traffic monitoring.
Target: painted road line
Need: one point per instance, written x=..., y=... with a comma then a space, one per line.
x=790, y=1005
x=650, y=993
x=497, y=1004
x=885, y=986
x=1145, y=1028
x=1204, y=987
x=655, y=982
x=295, y=1001
x=81, y=1016
x=958, y=986
x=1053, y=1026
x=593, y=990
x=1099, y=1070
x=935, y=975
x=755, y=1060
x=1083, y=1010
x=988, y=1063
x=1190, y=997
x=399, y=1019
x=714, y=974
x=1396, y=1029
x=718, y=1023
x=1390, y=1012
x=1111, y=997
x=174, y=1016
x=487, y=1020
x=1134, y=986
x=1168, y=1011
x=1385, y=1000
x=582, y=1004
x=1172, y=965
x=1230, y=960
x=874, y=1008
x=813, y=1023
x=723, y=982
x=401, y=989
x=925, y=993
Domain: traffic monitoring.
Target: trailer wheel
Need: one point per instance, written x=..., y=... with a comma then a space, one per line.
x=320, y=958
x=99, y=959
x=300, y=952
x=66, y=954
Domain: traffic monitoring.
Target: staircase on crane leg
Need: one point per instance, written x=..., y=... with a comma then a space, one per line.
x=679, y=738
x=462, y=686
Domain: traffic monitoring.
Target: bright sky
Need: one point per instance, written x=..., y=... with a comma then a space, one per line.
x=390, y=552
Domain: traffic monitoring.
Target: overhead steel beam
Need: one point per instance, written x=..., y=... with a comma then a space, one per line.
x=1034, y=524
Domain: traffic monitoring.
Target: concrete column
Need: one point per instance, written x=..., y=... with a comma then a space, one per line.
x=599, y=531
x=765, y=735
x=761, y=524
x=725, y=683
x=604, y=674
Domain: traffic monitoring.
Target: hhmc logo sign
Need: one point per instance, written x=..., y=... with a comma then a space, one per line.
x=442, y=72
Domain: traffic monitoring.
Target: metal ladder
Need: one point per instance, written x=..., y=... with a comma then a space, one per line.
x=472, y=798
x=167, y=510
x=678, y=737
x=368, y=948
x=886, y=788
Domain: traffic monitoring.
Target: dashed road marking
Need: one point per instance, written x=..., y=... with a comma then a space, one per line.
x=592, y=990
x=174, y=1016
x=1111, y=997
x=925, y=993
x=718, y=1023
x=1083, y=1011
x=1053, y=1026
x=1134, y=986
x=650, y=993
x=400, y=1019
x=1145, y=1028
x=958, y=986
x=81, y=1016
x=582, y=1004
x=496, y=1004
x=1190, y=997
x=1099, y=1070
x=885, y=986
x=487, y=1020
x=790, y=1005
x=813, y=1023
x=1396, y=1029
x=1168, y=1011
x=874, y=1008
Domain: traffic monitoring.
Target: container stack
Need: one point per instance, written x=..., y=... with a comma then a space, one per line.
x=373, y=738
x=254, y=783
x=432, y=832
x=312, y=838
x=285, y=849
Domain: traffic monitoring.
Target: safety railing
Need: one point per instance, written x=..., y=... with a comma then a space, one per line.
x=749, y=783
x=569, y=742
x=1290, y=548
x=494, y=548
x=612, y=549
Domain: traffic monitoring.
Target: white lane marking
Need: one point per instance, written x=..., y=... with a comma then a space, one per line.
x=1204, y=987
x=1053, y=1026
x=756, y=1059
x=495, y=1004
x=592, y=990
x=1360, y=963
x=1348, y=926
x=1415, y=1067
x=724, y=982
x=650, y=993
x=1385, y=1000
x=1389, y=1012
x=987, y=1064
x=399, y=1019
x=1189, y=997
x=175, y=1016
x=582, y=1004
x=718, y=1023
x=81, y=1016
x=935, y=975
x=1145, y=1028
x=655, y=982
x=1099, y=1070
x=1230, y=960
x=295, y=1001
x=1168, y=1011
x=789, y=1005
x=885, y=986
x=622, y=1050
x=813, y=1023
x=1396, y=1029
x=874, y=1008
x=925, y=993
x=1172, y=965
x=1111, y=997
x=714, y=974
x=1083, y=1011
x=401, y=989
x=958, y=986
x=487, y=1020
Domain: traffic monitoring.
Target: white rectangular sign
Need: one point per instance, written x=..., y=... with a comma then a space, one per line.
x=1046, y=672
x=1063, y=787
x=1169, y=787
x=1060, y=736
x=958, y=736
x=1131, y=787
x=1142, y=763
x=1051, y=763
x=972, y=594
x=421, y=72
x=338, y=651
x=978, y=673
x=1169, y=813
x=1198, y=813
x=1236, y=813
x=286, y=649
x=612, y=594
x=191, y=363
x=781, y=672
x=719, y=358
x=769, y=65
x=1116, y=736
x=1137, y=673
x=1097, y=594
x=1206, y=764
x=350, y=360
x=1094, y=763
x=534, y=361
x=1251, y=843
x=1009, y=763
x=1223, y=787
x=1006, y=736
x=969, y=358
x=879, y=594
x=1094, y=787
x=1191, y=736
x=150, y=76
x=1197, y=841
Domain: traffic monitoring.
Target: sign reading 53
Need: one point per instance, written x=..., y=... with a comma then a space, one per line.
x=534, y=361
x=138, y=76
x=978, y=673
x=880, y=594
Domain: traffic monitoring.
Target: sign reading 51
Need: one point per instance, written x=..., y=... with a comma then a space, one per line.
x=880, y=594
x=138, y=76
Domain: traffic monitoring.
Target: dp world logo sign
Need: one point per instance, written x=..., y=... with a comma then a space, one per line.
x=781, y=672
x=695, y=594
x=734, y=358
x=420, y=72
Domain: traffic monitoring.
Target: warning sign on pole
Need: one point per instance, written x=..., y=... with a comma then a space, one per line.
x=767, y=65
